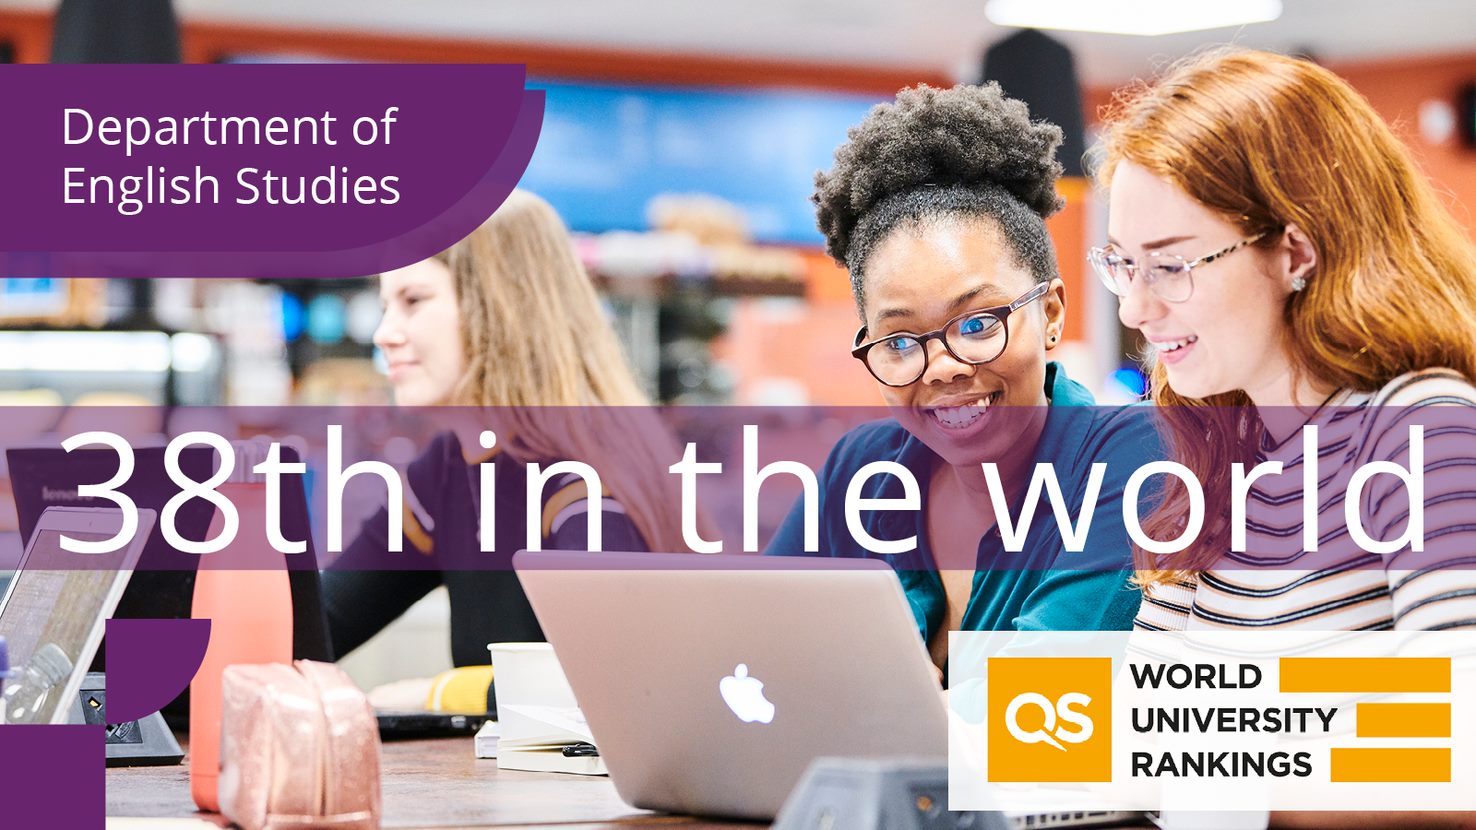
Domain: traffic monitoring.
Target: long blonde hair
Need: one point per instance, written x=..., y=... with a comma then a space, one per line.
x=1265, y=141
x=543, y=358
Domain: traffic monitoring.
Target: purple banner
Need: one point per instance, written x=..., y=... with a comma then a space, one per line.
x=276, y=170
x=1011, y=489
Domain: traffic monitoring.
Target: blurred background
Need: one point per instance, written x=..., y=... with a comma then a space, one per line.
x=680, y=142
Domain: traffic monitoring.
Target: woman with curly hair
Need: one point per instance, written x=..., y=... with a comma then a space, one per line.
x=936, y=205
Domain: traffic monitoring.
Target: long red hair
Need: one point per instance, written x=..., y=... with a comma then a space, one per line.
x=1266, y=140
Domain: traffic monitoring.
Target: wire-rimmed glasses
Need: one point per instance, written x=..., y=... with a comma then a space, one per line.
x=1169, y=276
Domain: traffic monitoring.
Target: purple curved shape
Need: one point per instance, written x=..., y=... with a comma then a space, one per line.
x=462, y=137
x=150, y=662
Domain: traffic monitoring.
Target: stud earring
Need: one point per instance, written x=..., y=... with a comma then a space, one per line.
x=1298, y=283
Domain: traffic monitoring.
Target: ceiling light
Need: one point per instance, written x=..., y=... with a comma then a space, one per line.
x=1129, y=17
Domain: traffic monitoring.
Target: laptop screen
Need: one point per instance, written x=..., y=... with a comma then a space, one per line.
x=50, y=620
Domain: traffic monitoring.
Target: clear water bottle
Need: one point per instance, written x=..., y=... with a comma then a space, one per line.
x=41, y=680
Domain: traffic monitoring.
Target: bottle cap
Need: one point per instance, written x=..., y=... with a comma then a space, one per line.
x=51, y=663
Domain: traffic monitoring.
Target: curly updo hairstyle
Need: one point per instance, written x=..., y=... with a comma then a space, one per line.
x=934, y=154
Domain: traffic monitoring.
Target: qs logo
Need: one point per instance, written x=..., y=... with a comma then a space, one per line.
x=1050, y=719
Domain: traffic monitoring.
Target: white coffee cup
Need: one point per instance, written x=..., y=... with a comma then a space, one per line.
x=529, y=674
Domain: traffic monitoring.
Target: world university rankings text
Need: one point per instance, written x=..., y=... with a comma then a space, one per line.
x=1244, y=719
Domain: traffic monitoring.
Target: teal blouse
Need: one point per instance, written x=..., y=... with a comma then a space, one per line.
x=1041, y=588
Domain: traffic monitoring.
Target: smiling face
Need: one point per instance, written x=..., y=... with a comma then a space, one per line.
x=1229, y=335
x=420, y=333
x=917, y=279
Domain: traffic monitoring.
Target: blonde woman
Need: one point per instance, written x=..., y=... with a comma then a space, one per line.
x=507, y=324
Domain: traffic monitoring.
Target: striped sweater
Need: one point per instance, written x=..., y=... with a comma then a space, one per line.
x=1350, y=589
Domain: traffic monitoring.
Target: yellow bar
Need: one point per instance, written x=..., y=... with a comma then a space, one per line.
x=1404, y=720
x=1401, y=765
x=1365, y=674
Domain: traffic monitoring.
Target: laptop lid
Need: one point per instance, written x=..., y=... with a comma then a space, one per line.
x=711, y=682
x=163, y=587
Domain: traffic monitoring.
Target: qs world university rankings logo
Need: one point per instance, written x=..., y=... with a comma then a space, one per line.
x=1051, y=719
x=1216, y=720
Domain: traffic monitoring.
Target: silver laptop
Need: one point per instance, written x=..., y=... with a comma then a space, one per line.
x=710, y=689
x=711, y=682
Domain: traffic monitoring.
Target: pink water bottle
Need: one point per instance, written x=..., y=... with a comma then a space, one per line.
x=250, y=613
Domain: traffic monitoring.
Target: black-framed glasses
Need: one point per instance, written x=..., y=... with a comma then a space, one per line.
x=1169, y=276
x=973, y=337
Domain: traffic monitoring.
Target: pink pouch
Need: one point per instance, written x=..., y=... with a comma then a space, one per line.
x=299, y=748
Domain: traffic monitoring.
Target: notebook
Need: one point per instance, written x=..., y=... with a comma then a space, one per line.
x=542, y=729
x=546, y=739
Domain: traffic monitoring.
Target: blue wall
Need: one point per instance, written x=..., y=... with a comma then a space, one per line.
x=607, y=149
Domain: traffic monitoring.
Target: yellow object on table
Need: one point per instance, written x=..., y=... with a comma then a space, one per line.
x=460, y=690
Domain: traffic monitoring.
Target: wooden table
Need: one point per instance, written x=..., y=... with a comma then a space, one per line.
x=434, y=783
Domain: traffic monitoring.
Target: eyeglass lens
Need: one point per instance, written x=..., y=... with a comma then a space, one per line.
x=900, y=360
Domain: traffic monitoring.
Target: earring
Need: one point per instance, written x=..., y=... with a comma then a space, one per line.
x=1298, y=283
x=1052, y=340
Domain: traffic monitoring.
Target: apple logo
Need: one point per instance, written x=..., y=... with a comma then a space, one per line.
x=745, y=696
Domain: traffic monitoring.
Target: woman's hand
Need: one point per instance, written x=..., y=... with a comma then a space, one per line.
x=405, y=695
x=938, y=675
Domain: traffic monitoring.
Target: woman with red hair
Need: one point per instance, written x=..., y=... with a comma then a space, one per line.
x=1290, y=266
